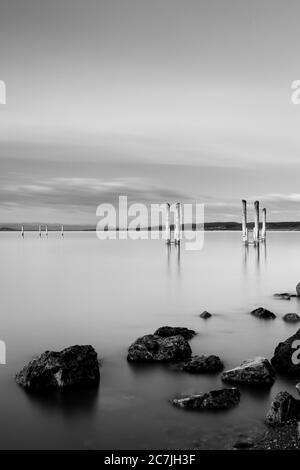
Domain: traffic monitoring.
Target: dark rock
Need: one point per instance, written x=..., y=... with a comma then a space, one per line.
x=298, y=289
x=153, y=348
x=256, y=371
x=263, y=313
x=283, y=408
x=167, y=331
x=283, y=296
x=214, y=400
x=202, y=364
x=298, y=388
x=205, y=315
x=243, y=444
x=76, y=366
x=286, y=358
x=291, y=317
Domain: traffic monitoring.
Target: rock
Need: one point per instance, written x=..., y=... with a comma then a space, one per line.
x=153, y=348
x=298, y=388
x=257, y=371
x=167, y=331
x=243, y=444
x=76, y=366
x=263, y=313
x=286, y=358
x=283, y=296
x=291, y=317
x=283, y=408
x=214, y=400
x=202, y=364
x=298, y=289
x=205, y=315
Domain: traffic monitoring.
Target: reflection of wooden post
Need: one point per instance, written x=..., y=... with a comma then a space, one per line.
x=264, y=224
x=177, y=234
x=244, y=222
x=168, y=227
x=46, y=230
x=256, y=222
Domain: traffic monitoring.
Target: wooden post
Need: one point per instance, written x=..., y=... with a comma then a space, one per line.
x=168, y=227
x=62, y=230
x=46, y=230
x=22, y=231
x=256, y=223
x=177, y=234
x=244, y=222
x=40, y=231
x=264, y=224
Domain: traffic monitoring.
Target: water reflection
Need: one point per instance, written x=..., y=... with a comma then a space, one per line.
x=173, y=258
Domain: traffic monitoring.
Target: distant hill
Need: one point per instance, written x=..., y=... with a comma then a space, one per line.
x=209, y=226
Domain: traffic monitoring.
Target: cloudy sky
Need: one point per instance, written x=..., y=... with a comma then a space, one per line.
x=155, y=99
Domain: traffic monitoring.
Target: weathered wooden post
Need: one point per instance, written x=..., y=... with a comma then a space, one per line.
x=264, y=224
x=40, y=231
x=168, y=226
x=62, y=230
x=256, y=223
x=46, y=230
x=177, y=234
x=22, y=231
x=244, y=222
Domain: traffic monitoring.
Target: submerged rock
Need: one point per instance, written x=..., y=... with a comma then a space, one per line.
x=286, y=358
x=263, y=313
x=283, y=296
x=291, y=317
x=205, y=315
x=167, y=331
x=283, y=408
x=76, y=366
x=243, y=444
x=257, y=371
x=153, y=348
x=214, y=400
x=202, y=364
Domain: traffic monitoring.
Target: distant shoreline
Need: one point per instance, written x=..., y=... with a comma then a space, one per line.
x=209, y=226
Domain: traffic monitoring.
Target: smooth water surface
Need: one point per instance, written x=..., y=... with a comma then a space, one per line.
x=59, y=292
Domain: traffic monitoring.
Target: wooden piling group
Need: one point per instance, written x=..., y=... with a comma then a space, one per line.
x=256, y=236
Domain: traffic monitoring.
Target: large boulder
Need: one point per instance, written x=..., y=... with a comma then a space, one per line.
x=203, y=364
x=256, y=371
x=263, y=313
x=291, y=317
x=283, y=408
x=167, y=331
x=153, y=348
x=214, y=400
x=76, y=366
x=286, y=359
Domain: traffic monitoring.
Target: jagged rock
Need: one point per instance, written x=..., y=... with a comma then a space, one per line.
x=286, y=359
x=298, y=289
x=167, y=331
x=153, y=348
x=283, y=408
x=263, y=313
x=256, y=371
x=214, y=400
x=202, y=364
x=291, y=317
x=205, y=315
x=76, y=366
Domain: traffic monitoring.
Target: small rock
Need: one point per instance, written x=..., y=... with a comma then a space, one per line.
x=243, y=444
x=283, y=408
x=167, y=331
x=263, y=313
x=205, y=315
x=298, y=388
x=291, y=317
x=286, y=356
x=214, y=400
x=283, y=296
x=153, y=348
x=256, y=371
x=76, y=366
x=202, y=364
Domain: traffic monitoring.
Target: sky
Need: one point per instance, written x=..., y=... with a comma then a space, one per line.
x=160, y=100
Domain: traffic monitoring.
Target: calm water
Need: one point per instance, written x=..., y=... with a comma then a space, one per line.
x=79, y=290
